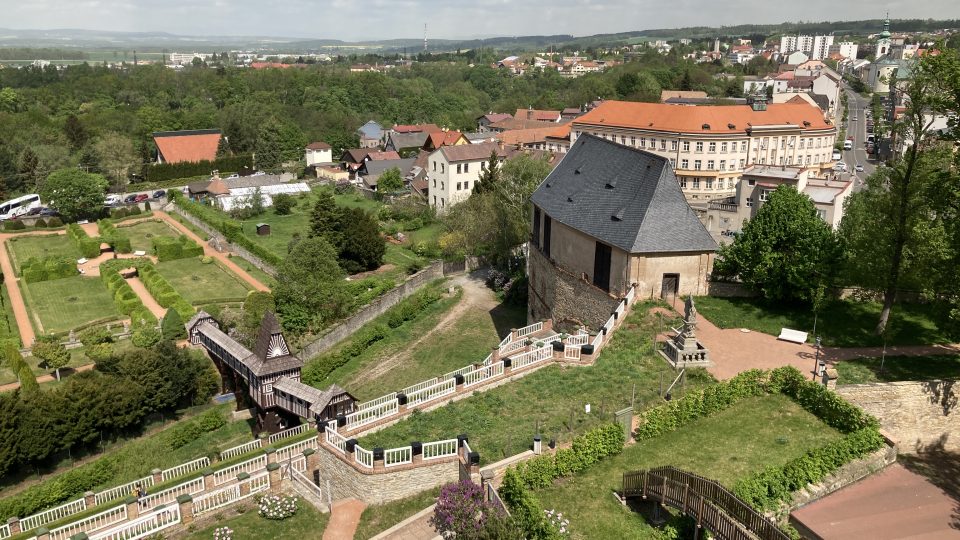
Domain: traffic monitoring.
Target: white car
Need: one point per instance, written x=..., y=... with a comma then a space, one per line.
x=112, y=200
x=858, y=168
x=840, y=167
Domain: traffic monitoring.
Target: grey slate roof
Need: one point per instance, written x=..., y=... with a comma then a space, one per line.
x=624, y=197
x=376, y=168
x=399, y=141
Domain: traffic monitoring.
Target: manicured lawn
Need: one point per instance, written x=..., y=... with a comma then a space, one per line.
x=255, y=271
x=899, y=368
x=54, y=245
x=751, y=435
x=402, y=359
x=203, y=283
x=197, y=230
x=842, y=323
x=502, y=422
x=376, y=519
x=142, y=234
x=60, y=305
x=77, y=358
x=307, y=524
x=8, y=324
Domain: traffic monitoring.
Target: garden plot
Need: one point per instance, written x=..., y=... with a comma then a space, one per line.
x=203, y=283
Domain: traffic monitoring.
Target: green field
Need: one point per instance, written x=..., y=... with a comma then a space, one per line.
x=255, y=272
x=841, y=323
x=899, y=368
x=419, y=349
x=502, y=422
x=61, y=305
x=52, y=245
x=749, y=436
x=141, y=235
x=378, y=518
x=203, y=283
x=307, y=524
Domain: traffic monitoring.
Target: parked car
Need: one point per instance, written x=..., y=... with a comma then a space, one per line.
x=159, y=194
x=140, y=197
x=130, y=199
x=858, y=168
x=112, y=200
x=33, y=212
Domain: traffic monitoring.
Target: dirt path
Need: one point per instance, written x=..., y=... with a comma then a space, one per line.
x=344, y=518
x=91, y=229
x=13, y=290
x=476, y=295
x=147, y=298
x=210, y=252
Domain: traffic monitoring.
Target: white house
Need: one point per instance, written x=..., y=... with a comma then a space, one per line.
x=453, y=171
x=318, y=153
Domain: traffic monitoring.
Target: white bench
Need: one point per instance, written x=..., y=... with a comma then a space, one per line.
x=139, y=253
x=83, y=260
x=794, y=336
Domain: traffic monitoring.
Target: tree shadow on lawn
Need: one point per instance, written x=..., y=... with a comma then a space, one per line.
x=506, y=317
x=941, y=467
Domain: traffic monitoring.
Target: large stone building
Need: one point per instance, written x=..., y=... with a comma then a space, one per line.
x=709, y=146
x=606, y=218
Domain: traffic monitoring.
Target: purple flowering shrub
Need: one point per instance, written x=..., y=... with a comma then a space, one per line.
x=461, y=511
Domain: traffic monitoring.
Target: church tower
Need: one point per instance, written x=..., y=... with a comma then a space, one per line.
x=883, y=40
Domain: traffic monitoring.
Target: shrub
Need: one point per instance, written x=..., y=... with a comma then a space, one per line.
x=134, y=210
x=54, y=222
x=146, y=206
x=277, y=507
x=169, y=249
x=119, y=213
x=283, y=203
x=95, y=335
x=587, y=449
x=206, y=260
x=172, y=327
x=186, y=432
x=40, y=223
x=524, y=507
x=146, y=337
x=461, y=511
x=14, y=225
x=98, y=352
x=88, y=247
x=48, y=269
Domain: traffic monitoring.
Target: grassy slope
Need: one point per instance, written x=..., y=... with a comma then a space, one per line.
x=201, y=283
x=843, y=323
x=730, y=445
x=307, y=524
x=376, y=519
x=502, y=422
x=899, y=368
x=64, y=304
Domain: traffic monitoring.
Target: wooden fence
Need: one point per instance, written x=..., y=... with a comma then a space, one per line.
x=709, y=503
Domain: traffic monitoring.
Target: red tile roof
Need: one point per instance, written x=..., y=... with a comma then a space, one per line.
x=534, y=135
x=664, y=117
x=416, y=128
x=496, y=117
x=442, y=138
x=535, y=114
x=187, y=146
x=319, y=145
x=379, y=156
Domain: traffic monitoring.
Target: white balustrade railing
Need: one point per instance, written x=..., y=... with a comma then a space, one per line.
x=292, y=432
x=186, y=468
x=466, y=449
x=419, y=386
x=372, y=414
x=301, y=479
x=506, y=340
x=597, y=340
x=142, y=527
x=479, y=375
x=299, y=464
x=191, y=487
x=92, y=523
x=336, y=440
x=296, y=449
x=511, y=347
x=532, y=357
x=486, y=361
x=439, y=449
x=571, y=353
x=259, y=482
x=4, y=531
x=621, y=307
x=609, y=324
x=363, y=456
x=444, y=388
x=118, y=492
x=377, y=402
x=461, y=371
x=577, y=340
x=397, y=456
x=249, y=466
x=255, y=444
x=218, y=499
x=631, y=294
x=527, y=330
x=53, y=514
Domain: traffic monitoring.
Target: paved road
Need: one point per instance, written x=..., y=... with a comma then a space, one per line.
x=857, y=106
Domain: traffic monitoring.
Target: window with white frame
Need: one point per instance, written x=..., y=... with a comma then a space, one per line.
x=712, y=147
x=709, y=183
x=743, y=163
x=643, y=142
x=684, y=163
x=683, y=182
x=723, y=147
x=697, y=164
x=686, y=146
x=743, y=146
x=623, y=140
x=723, y=164
x=696, y=183
x=710, y=164
x=458, y=168
x=663, y=144
x=633, y=141
x=466, y=167
x=699, y=146
x=673, y=145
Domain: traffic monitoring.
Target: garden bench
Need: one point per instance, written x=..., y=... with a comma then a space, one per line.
x=794, y=336
x=82, y=260
x=140, y=253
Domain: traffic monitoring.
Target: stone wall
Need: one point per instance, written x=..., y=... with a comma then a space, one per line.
x=378, y=306
x=229, y=246
x=914, y=413
x=728, y=289
x=378, y=488
x=566, y=299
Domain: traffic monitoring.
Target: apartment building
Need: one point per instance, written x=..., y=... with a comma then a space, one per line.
x=816, y=47
x=709, y=146
x=453, y=171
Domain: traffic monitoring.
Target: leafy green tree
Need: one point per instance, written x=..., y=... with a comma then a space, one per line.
x=12, y=358
x=277, y=143
x=786, y=252
x=74, y=193
x=28, y=168
x=28, y=382
x=325, y=216
x=310, y=289
x=51, y=353
x=283, y=204
x=255, y=306
x=172, y=327
x=9, y=100
x=489, y=176
x=361, y=245
x=390, y=181
x=116, y=156
x=76, y=134
x=9, y=431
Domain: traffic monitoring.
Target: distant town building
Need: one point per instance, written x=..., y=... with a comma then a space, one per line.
x=187, y=146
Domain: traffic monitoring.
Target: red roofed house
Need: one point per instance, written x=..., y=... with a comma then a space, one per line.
x=444, y=138
x=189, y=146
x=534, y=114
x=318, y=153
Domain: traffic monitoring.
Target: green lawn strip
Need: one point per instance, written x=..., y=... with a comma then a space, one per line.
x=502, y=422
x=196, y=230
x=753, y=434
x=141, y=234
x=70, y=303
x=40, y=246
x=899, y=368
x=254, y=271
x=378, y=518
x=247, y=524
x=841, y=323
x=8, y=325
x=201, y=283
x=356, y=200
x=429, y=234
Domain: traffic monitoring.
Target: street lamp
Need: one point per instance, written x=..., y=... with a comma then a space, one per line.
x=816, y=364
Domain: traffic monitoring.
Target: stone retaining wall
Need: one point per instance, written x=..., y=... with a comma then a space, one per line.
x=234, y=248
x=914, y=413
x=567, y=300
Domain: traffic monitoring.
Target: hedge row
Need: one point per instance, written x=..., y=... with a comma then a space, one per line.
x=587, y=449
x=125, y=298
x=122, y=213
x=186, y=432
x=230, y=229
x=408, y=309
x=47, y=269
x=163, y=292
x=88, y=247
x=171, y=249
x=111, y=235
x=169, y=171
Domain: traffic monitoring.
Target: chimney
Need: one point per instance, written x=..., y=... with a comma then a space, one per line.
x=529, y=113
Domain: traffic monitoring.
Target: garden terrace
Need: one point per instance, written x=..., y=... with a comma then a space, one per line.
x=23, y=248
x=61, y=305
x=201, y=282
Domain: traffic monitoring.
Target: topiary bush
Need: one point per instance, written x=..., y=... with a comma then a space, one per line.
x=48, y=268
x=14, y=225
x=146, y=337
x=40, y=223
x=170, y=249
x=54, y=222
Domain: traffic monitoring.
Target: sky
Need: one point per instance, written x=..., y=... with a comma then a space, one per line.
x=450, y=19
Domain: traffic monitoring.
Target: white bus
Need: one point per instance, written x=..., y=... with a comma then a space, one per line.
x=19, y=206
